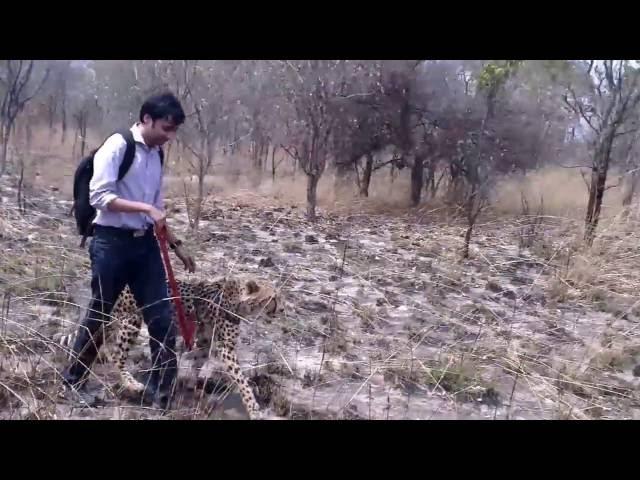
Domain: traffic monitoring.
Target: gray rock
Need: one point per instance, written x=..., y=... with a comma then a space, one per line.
x=266, y=262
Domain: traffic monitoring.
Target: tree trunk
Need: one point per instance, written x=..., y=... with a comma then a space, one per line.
x=632, y=182
x=366, y=176
x=198, y=206
x=474, y=201
x=252, y=153
x=28, y=134
x=52, y=113
x=596, y=189
x=83, y=137
x=232, y=149
x=596, y=194
x=5, y=133
x=312, y=191
x=265, y=160
x=430, y=184
x=273, y=163
x=436, y=185
x=258, y=156
x=21, y=203
x=467, y=241
x=14, y=132
x=473, y=205
x=64, y=120
x=202, y=172
x=453, y=189
x=417, y=179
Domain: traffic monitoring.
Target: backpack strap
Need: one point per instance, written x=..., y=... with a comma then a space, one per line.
x=129, y=153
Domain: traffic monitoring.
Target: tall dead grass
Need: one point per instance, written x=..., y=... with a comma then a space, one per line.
x=563, y=189
x=50, y=164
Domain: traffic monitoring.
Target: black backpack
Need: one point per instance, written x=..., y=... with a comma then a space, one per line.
x=83, y=211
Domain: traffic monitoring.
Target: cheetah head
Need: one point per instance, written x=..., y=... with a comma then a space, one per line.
x=257, y=297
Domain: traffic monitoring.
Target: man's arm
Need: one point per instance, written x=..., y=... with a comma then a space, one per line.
x=106, y=163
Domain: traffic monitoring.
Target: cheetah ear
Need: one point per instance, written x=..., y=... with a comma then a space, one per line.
x=252, y=286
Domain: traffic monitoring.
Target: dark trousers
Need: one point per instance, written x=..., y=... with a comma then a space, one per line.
x=117, y=259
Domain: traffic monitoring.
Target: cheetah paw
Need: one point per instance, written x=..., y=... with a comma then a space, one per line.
x=133, y=386
x=257, y=415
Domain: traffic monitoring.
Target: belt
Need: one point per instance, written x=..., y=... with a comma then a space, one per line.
x=140, y=232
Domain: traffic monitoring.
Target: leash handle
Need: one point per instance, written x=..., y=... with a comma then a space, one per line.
x=186, y=328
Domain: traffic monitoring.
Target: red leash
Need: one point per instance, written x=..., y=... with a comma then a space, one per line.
x=187, y=328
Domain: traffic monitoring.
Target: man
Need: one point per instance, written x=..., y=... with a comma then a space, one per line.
x=124, y=249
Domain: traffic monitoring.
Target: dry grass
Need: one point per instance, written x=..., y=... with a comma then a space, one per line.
x=551, y=325
x=563, y=190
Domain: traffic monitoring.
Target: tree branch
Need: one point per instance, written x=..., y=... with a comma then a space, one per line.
x=384, y=164
x=590, y=67
x=578, y=108
x=608, y=73
x=576, y=166
x=627, y=132
x=38, y=88
x=196, y=154
x=239, y=138
x=620, y=70
x=295, y=155
x=354, y=95
x=288, y=63
x=599, y=87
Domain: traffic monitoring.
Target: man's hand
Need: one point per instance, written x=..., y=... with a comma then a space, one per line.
x=186, y=258
x=158, y=216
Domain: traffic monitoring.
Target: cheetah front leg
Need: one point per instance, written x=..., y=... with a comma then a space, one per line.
x=230, y=360
x=200, y=354
x=127, y=336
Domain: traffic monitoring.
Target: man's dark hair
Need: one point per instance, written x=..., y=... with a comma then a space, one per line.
x=163, y=106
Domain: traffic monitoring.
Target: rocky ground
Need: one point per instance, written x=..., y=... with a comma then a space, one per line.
x=383, y=319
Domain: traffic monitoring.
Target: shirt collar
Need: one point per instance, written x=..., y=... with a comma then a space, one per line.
x=137, y=136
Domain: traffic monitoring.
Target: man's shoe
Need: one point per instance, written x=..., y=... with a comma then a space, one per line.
x=162, y=402
x=78, y=396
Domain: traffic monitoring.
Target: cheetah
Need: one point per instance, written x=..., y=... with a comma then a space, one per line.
x=218, y=305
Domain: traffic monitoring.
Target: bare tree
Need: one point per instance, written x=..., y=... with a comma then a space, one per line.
x=311, y=91
x=478, y=169
x=605, y=98
x=362, y=129
x=210, y=92
x=399, y=84
x=56, y=92
x=81, y=115
x=16, y=81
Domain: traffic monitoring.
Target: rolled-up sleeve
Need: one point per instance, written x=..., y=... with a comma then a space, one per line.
x=106, y=163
